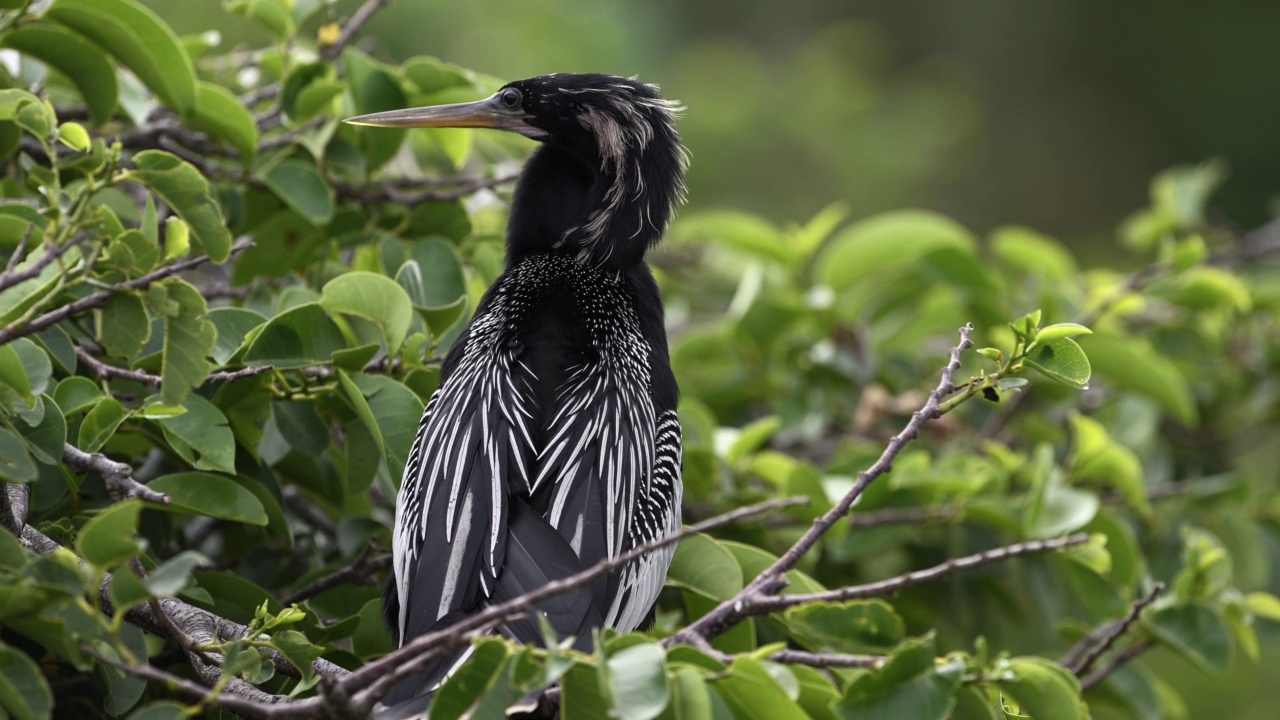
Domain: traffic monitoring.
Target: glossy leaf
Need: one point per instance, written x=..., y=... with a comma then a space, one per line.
x=639, y=675
x=375, y=298
x=301, y=188
x=100, y=424
x=1061, y=359
x=138, y=39
x=299, y=337
x=207, y=494
x=223, y=116
x=110, y=537
x=1044, y=690
x=188, y=193
x=200, y=436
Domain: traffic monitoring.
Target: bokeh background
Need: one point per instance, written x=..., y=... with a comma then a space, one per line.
x=1053, y=114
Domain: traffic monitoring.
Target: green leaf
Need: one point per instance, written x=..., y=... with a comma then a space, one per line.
x=1061, y=330
x=1196, y=632
x=138, y=39
x=16, y=464
x=885, y=243
x=48, y=435
x=188, y=193
x=270, y=15
x=910, y=686
x=1056, y=509
x=1133, y=364
x=1062, y=360
x=79, y=60
x=374, y=89
x=210, y=495
x=100, y=424
x=583, y=694
x=110, y=537
x=847, y=627
x=374, y=297
x=188, y=340
x=24, y=692
x=1264, y=605
x=443, y=281
x=75, y=394
x=163, y=710
x=639, y=675
x=466, y=688
x=1044, y=690
x=122, y=326
x=351, y=393
x=1032, y=252
x=753, y=692
x=74, y=136
x=734, y=229
x=233, y=326
x=14, y=383
x=752, y=437
x=296, y=338
x=701, y=563
x=174, y=575
x=302, y=188
x=397, y=410
x=689, y=697
x=201, y=436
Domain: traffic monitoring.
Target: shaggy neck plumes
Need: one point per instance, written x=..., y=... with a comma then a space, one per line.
x=607, y=203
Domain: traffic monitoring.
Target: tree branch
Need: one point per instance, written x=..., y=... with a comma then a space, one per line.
x=118, y=476
x=881, y=588
x=368, y=684
x=359, y=572
x=100, y=299
x=388, y=192
x=108, y=372
x=1117, y=661
x=1082, y=657
x=353, y=27
x=772, y=580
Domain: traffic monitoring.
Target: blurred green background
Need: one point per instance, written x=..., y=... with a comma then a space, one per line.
x=1053, y=114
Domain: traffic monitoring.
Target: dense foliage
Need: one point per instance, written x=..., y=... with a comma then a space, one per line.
x=221, y=313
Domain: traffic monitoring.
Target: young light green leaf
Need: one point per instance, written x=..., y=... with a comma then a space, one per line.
x=1061, y=360
x=74, y=136
x=1061, y=330
x=177, y=238
x=110, y=537
x=138, y=39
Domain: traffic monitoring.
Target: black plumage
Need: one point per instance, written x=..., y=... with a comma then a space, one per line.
x=553, y=440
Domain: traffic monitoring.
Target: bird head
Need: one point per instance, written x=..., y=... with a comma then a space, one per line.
x=620, y=131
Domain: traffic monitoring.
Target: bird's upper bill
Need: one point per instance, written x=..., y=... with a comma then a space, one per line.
x=495, y=112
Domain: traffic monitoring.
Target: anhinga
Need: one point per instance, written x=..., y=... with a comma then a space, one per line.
x=553, y=440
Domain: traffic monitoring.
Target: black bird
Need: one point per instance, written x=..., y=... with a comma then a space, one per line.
x=553, y=440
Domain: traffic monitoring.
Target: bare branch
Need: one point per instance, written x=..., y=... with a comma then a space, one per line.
x=1082, y=657
x=7, y=278
x=99, y=299
x=773, y=579
x=118, y=476
x=892, y=585
x=376, y=678
x=353, y=27
x=389, y=192
x=108, y=372
x=900, y=516
x=827, y=660
x=1117, y=661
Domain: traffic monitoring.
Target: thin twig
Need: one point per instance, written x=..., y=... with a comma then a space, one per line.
x=881, y=588
x=388, y=192
x=353, y=27
x=898, y=516
x=1094, y=645
x=826, y=660
x=1117, y=661
x=108, y=372
x=773, y=579
x=7, y=278
x=118, y=476
x=100, y=299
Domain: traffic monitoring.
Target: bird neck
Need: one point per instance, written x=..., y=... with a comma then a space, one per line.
x=604, y=213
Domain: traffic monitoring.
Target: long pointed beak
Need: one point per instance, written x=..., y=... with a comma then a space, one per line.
x=487, y=113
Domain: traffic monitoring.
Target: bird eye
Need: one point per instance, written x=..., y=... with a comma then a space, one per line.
x=510, y=98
